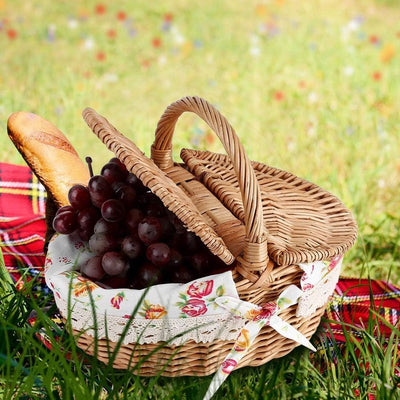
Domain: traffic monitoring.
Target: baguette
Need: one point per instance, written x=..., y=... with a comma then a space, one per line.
x=48, y=153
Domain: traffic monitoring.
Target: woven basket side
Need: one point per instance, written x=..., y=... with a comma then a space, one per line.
x=198, y=359
x=158, y=182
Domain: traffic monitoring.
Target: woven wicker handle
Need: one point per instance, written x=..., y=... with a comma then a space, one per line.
x=255, y=255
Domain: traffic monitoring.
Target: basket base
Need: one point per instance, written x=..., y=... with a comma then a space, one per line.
x=197, y=359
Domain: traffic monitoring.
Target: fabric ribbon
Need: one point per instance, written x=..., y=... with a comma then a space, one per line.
x=257, y=318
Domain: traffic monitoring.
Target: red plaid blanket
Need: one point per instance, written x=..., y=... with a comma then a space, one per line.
x=22, y=230
x=22, y=226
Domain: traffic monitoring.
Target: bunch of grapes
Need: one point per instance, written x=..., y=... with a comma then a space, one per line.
x=135, y=240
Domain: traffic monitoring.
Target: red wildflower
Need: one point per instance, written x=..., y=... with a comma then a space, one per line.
x=12, y=33
x=279, y=96
x=101, y=56
x=121, y=15
x=377, y=76
x=156, y=42
x=168, y=17
x=302, y=84
x=100, y=9
x=373, y=39
x=111, y=33
x=146, y=63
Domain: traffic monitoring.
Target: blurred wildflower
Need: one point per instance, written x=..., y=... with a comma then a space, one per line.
x=187, y=47
x=51, y=33
x=111, y=33
x=121, y=16
x=383, y=108
x=351, y=27
x=373, y=39
x=168, y=17
x=313, y=46
x=83, y=14
x=72, y=23
x=348, y=70
x=279, y=95
x=349, y=130
x=209, y=138
x=261, y=10
x=381, y=183
x=156, y=42
x=100, y=56
x=197, y=43
x=179, y=39
x=376, y=75
x=302, y=84
x=59, y=110
x=167, y=22
x=146, y=63
x=88, y=43
x=162, y=60
x=311, y=128
x=387, y=53
x=100, y=9
x=12, y=33
x=254, y=45
x=312, y=97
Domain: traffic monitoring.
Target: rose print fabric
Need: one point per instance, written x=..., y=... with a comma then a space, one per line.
x=172, y=300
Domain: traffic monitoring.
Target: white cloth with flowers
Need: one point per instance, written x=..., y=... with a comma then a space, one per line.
x=172, y=312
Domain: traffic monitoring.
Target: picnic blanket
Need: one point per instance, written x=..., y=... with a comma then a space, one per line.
x=22, y=232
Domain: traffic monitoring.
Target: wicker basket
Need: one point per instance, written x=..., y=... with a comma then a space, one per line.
x=264, y=220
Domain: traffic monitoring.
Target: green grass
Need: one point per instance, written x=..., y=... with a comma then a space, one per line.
x=311, y=87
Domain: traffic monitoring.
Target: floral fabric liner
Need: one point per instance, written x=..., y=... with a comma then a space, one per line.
x=174, y=312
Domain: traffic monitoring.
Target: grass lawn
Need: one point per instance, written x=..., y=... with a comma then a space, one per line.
x=311, y=87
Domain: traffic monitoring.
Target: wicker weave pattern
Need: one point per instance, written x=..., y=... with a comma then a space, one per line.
x=263, y=219
x=304, y=222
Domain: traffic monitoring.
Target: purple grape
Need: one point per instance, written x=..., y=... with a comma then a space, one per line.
x=126, y=194
x=132, y=247
x=181, y=274
x=100, y=243
x=87, y=218
x=121, y=165
x=100, y=190
x=135, y=182
x=112, y=172
x=113, y=210
x=133, y=217
x=103, y=226
x=114, y=263
x=65, y=208
x=200, y=263
x=93, y=269
x=65, y=222
x=148, y=274
x=158, y=254
x=149, y=230
x=79, y=197
x=175, y=259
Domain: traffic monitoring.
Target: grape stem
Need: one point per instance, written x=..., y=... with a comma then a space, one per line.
x=89, y=163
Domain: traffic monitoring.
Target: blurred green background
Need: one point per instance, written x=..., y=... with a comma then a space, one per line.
x=311, y=87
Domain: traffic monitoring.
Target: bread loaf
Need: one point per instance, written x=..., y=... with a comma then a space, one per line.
x=48, y=153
